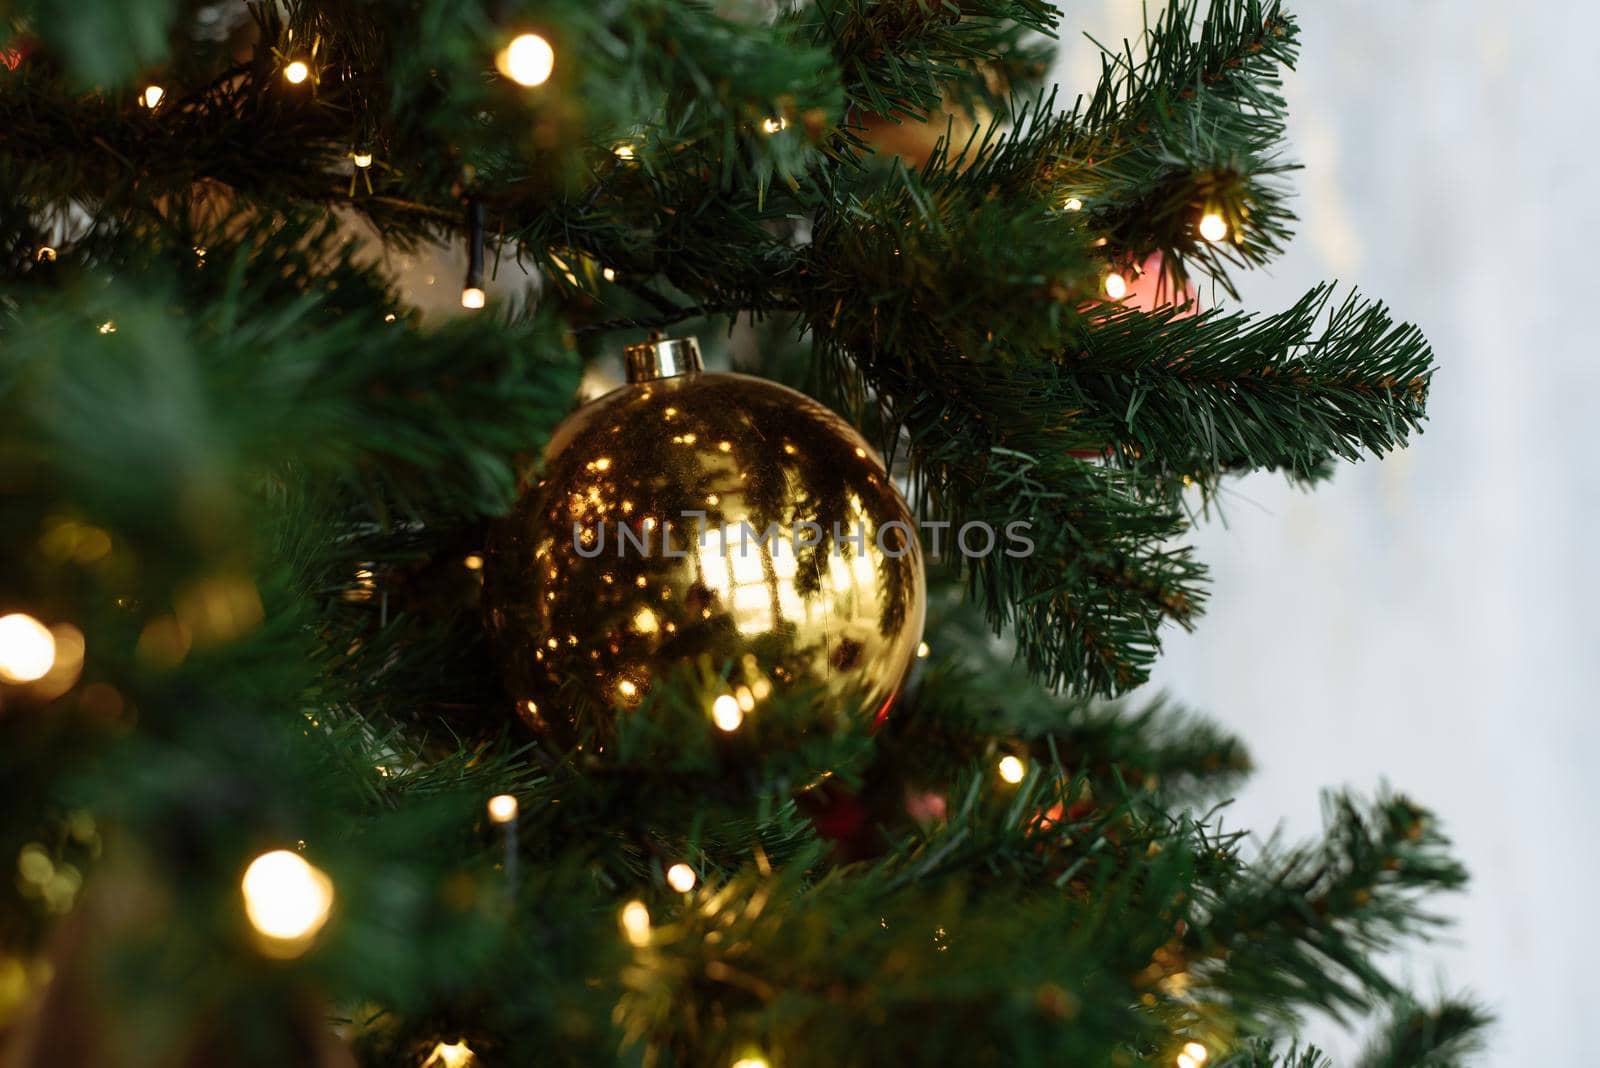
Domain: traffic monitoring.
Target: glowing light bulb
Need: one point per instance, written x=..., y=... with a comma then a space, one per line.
x=1213, y=227
x=473, y=562
x=775, y=124
x=472, y=297
x=1193, y=1056
x=681, y=878
x=502, y=808
x=1012, y=769
x=361, y=159
x=286, y=899
x=46, y=254
x=1073, y=204
x=107, y=327
x=751, y=1062
x=623, y=150
x=1116, y=286
x=296, y=72
x=27, y=648
x=726, y=713
x=628, y=689
x=608, y=274
x=527, y=60
x=635, y=920
x=923, y=650
x=451, y=1055
x=152, y=96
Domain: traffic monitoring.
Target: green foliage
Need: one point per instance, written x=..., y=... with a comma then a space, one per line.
x=254, y=480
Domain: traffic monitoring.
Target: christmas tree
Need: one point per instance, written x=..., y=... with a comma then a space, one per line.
x=306, y=758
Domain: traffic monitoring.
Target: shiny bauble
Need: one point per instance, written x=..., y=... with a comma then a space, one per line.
x=712, y=518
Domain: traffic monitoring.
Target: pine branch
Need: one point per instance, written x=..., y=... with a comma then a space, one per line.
x=1416, y=1036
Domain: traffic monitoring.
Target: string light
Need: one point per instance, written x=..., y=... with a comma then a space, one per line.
x=27, y=648
x=726, y=713
x=503, y=808
x=527, y=60
x=1194, y=1055
x=1012, y=769
x=108, y=327
x=623, y=150
x=751, y=1062
x=472, y=297
x=451, y=1055
x=287, y=900
x=635, y=920
x=1116, y=286
x=152, y=96
x=473, y=562
x=681, y=877
x=774, y=125
x=1213, y=227
x=1073, y=204
x=46, y=254
x=296, y=72
x=362, y=160
x=923, y=650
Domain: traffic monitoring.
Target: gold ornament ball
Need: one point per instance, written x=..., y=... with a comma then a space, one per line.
x=689, y=515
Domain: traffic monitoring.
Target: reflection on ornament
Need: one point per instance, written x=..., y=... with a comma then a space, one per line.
x=688, y=515
x=451, y=1055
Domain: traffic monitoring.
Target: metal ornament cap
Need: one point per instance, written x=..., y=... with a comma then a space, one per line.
x=663, y=358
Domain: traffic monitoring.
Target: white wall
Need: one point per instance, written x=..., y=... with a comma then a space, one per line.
x=1428, y=620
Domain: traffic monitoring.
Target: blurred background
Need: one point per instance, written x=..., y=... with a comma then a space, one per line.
x=1425, y=621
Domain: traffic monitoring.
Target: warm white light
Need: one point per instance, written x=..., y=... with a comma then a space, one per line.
x=46, y=254
x=1213, y=227
x=922, y=650
x=527, y=60
x=627, y=688
x=473, y=562
x=107, y=327
x=726, y=713
x=152, y=96
x=502, y=808
x=751, y=1062
x=451, y=1055
x=296, y=72
x=361, y=159
x=286, y=899
x=1194, y=1054
x=1116, y=286
x=1012, y=769
x=773, y=125
x=623, y=150
x=1073, y=204
x=681, y=878
x=472, y=297
x=636, y=923
x=608, y=274
x=27, y=648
